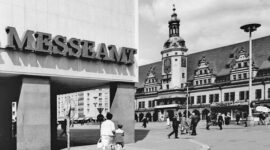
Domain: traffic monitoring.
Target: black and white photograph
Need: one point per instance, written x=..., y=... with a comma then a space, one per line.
x=134, y=75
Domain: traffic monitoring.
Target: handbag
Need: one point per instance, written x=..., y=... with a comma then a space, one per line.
x=99, y=143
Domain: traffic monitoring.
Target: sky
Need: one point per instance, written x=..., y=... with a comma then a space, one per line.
x=204, y=24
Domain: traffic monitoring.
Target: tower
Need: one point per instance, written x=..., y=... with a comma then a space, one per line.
x=174, y=60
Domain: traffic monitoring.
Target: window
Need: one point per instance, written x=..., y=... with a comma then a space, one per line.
x=211, y=98
x=245, y=64
x=234, y=77
x=167, y=86
x=183, y=75
x=226, y=96
x=268, y=92
x=155, y=88
x=216, y=97
x=175, y=59
x=175, y=53
x=182, y=85
x=205, y=71
x=209, y=81
x=247, y=95
x=143, y=104
x=200, y=71
x=241, y=95
x=232, y=96
x=258, y=93
x=239, y=76
x=239, y=65
x=205, y=81
x=197, y=82
x=149, y=103
x=192, y=100
x=153, y=103
x=245, y=75
x=198, y=99
x=200, y=82
x=204, y=99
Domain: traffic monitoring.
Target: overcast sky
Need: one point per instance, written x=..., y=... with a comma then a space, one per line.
x=204, y=24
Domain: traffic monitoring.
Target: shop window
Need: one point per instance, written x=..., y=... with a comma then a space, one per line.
x=258, y=93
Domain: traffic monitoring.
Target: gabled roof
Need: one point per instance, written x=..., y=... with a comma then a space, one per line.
x=218, y=58
x=143, y=70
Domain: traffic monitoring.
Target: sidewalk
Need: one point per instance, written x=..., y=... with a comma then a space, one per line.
x=156, y=139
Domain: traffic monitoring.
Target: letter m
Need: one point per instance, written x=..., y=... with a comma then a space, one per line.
x=14, y=42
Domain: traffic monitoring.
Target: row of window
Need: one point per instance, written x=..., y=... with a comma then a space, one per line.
x=202, y=71
x=242, y=64
x=150, y=104
x=150, y=89
x=240, y=76
x=151, y=80
x=203, y=81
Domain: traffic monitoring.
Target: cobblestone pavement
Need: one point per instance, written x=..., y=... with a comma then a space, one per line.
x=154, y=137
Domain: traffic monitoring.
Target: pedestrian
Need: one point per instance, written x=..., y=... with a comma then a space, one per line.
x=208, y=121
x=223, y=117
x=220, y=121
x=262, y=118
x=227, y=119
x=237, y=117
x=107, y=131
x=175, y=126
x=194, y=121
x=144, y=122
x=168, y=122
x=119, y=137
x=64, y=128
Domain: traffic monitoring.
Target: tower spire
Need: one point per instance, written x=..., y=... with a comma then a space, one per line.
x=174, y=24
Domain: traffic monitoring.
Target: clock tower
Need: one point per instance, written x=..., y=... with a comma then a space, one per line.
x=174, y=60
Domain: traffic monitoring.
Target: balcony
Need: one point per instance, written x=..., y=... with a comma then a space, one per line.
x=167, y=106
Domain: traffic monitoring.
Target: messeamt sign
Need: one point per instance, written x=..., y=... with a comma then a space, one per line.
x=43, y=43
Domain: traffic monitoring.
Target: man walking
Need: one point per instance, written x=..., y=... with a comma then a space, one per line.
x=208, y=121
x=220, y=121
x=194, y=121
x=175, y=125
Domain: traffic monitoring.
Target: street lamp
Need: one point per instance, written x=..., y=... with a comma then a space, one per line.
x=187, y=84
x=250, y=28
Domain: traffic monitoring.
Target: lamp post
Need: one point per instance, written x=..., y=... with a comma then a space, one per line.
x=187, y=84
x=250, y=28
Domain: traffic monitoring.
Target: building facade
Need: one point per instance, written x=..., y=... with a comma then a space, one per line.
x=86, y=104
x=217, y=79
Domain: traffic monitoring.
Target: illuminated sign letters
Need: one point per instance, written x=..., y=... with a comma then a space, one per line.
x=40, y=42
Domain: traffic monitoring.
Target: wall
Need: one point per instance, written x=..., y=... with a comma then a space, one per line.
x=111, y=22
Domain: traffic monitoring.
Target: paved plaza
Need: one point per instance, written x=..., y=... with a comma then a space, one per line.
x=154, y=137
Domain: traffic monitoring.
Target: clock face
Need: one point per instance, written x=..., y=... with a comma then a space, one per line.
x=167, y=65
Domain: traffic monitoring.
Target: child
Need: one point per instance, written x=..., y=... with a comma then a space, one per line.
x=119, y=136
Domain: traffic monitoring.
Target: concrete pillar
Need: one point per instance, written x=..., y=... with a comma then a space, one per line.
x=122, y=108
x=34, y=118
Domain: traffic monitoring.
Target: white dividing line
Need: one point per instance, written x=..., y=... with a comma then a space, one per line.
x=204, y=146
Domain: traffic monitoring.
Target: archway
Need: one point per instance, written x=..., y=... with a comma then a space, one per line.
x=141, y=116
x=149, y=116
x=204, y=113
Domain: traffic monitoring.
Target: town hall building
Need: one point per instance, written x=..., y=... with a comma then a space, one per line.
x=217, y=79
